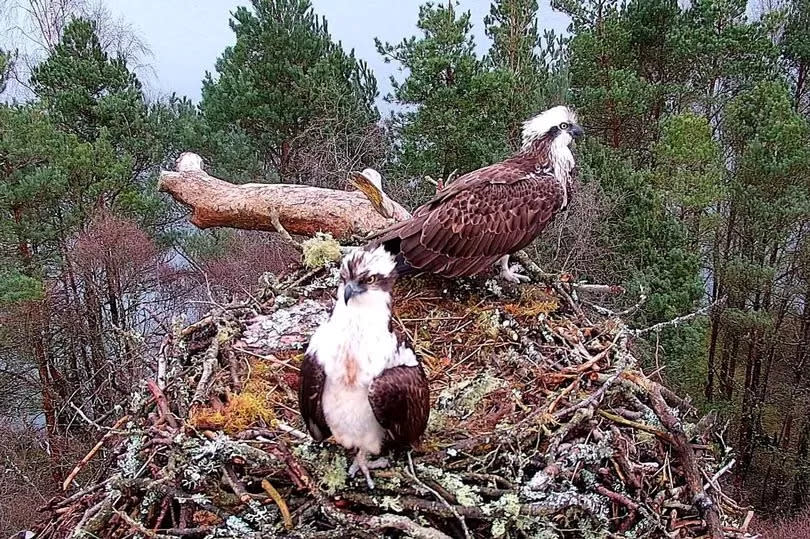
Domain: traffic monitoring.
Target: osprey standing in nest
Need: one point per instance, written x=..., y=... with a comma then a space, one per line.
x=484, y=216
x=359, y=381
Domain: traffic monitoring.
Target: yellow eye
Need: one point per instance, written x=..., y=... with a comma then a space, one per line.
x=564, y=125
x=371, y=279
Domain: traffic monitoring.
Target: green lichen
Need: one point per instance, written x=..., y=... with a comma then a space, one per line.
x=327, y=463
x=129, y=463
x=320, y=251
x=437, y=422
x=462, y=398
x=334, y=476
x=507, y=507
x=493, y=287
x=489, y=322
x=466, y=495
x=392, y=503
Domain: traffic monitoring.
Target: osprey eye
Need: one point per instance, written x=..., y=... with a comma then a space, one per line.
x=371, y=279
x=564, y=125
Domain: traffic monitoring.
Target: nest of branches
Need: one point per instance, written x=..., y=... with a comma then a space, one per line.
x=542, y=425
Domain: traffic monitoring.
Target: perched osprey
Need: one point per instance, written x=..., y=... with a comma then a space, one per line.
x=359, y=381
x=486, y=215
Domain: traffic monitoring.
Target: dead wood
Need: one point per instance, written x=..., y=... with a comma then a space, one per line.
x=691, y=471
x=300, y=209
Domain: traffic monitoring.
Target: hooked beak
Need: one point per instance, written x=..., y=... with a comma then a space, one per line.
x=576, y=130
x=350, y=290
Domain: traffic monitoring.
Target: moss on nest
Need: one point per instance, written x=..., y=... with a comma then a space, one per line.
x=251, y=406
x=320, y=251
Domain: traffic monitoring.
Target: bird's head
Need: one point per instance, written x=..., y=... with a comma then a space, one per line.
x=367, y=278
x=557, y=123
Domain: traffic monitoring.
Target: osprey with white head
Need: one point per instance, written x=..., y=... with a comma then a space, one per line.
x=486, y=215
x=360, y=382
x=560, y=126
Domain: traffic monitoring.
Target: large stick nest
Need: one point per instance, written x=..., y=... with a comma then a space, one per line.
x=542, y=425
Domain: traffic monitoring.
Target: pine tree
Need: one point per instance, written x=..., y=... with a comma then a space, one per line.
x=6, y=65
x=796, y=53
x=770, y=198
x=97, y=98
x=285, y=80
x=85, y=90
x=512, y=27
x=454, y=107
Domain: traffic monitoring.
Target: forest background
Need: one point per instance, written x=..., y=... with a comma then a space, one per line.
x=694, y=188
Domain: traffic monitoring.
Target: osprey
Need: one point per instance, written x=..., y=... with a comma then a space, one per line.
x=359, y=381
x=484, y=216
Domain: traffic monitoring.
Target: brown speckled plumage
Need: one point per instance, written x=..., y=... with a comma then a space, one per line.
x=481, y=216
x=400, y=399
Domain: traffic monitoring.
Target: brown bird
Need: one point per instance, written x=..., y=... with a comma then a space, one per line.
x=484, y=216
x=360, y=381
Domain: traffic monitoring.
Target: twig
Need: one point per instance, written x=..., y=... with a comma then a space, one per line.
x=632, y=506
x=636, y=425
x=274, y=219
x=271, y=358
x=614, y=314
x=96, y=448
x=412, y=473
x=161, y=403
x=593, y=288
x=95, y=518
x=292, y=430
x=187, y=532
x=84, y=417
x=209, y=362
x=713, y=481
x=282, y=505
x=592, y=399
x=135, y=525
x=676, y=321
x=384, y=521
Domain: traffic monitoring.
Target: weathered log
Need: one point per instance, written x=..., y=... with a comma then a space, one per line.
x=301, y=209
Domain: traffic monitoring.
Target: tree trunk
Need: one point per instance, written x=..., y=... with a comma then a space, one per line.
x=300, y=209
x=709, y=391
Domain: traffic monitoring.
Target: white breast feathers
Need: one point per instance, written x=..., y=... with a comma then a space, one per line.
x=563, y=162
x=354, y=347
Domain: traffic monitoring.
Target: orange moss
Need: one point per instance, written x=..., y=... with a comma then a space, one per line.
x=534, y=300
x=251, y=406
x=206, y=518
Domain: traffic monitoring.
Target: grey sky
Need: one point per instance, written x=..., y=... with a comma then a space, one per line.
x=187, y=36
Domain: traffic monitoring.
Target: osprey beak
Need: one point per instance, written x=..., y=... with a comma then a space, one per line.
x=350, y=290
x=576, y=130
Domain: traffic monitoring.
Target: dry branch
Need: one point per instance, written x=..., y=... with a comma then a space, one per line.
x=78, y=468
x=302, y=210
x=702, y=501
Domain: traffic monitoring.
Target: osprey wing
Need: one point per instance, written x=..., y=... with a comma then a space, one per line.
x=477, y=219
x=310, y=398
x=400, y=400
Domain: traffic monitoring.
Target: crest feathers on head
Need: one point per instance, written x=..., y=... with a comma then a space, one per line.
x=377, y=261
x=544, y=122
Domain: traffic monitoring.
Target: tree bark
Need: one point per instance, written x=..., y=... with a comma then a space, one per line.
x=301, y=209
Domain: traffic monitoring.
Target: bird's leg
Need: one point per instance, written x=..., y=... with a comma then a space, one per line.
x=507, y=274
x=362, y=464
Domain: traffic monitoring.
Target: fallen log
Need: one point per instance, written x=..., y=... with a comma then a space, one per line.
x=301, y=209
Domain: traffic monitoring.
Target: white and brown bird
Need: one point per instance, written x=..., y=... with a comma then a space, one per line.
x=484, y=216
x=360, y=382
